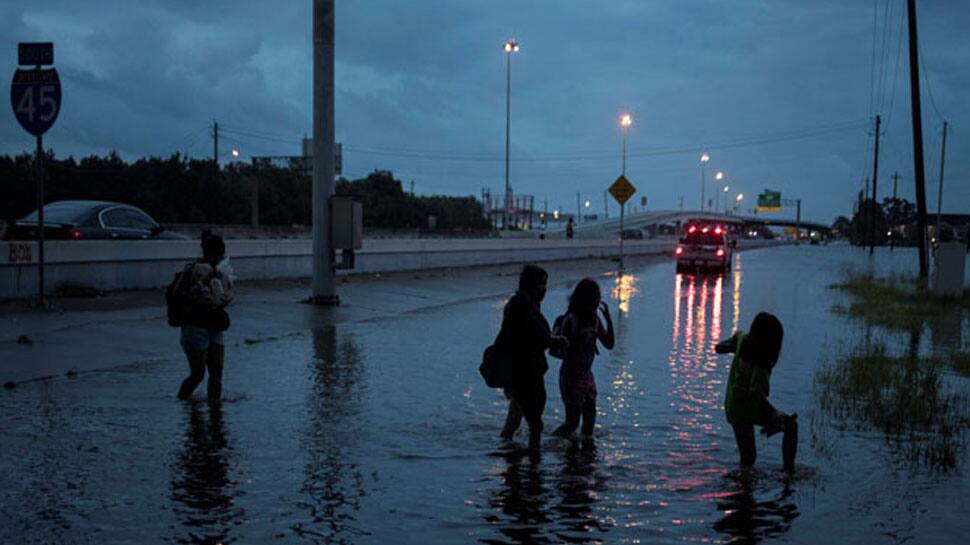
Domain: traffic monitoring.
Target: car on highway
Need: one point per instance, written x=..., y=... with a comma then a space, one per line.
x=91, y=220
x=705, y=247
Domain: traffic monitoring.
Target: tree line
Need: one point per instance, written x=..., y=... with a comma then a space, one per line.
x=894, y=220
x=183, y=190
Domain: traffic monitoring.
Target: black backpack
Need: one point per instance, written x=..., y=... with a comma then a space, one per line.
x=174, y=301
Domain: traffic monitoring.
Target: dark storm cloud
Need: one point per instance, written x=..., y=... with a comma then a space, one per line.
x=148, y=77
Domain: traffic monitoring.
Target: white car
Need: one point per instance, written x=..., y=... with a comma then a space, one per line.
x=705, y=247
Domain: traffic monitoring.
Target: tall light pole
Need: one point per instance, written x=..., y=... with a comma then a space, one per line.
x=726, y=189
x=737, y=202
x=704, y=159
x=625, y=122
x=717, y=178
x=511, y=46
x=324, y=289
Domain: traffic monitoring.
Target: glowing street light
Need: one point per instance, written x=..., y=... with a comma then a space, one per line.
x=704, y=159
x=511, y=46
x=625, y=121
x=586, y=204
x=235, y=153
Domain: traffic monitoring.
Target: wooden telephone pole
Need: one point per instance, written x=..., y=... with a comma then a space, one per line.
x=917, y=139
x=875, y=175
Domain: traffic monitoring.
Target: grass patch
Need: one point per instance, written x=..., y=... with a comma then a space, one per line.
x=904, y=398
x=900, y=303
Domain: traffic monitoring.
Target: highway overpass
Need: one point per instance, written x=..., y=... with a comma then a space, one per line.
x=611, y=227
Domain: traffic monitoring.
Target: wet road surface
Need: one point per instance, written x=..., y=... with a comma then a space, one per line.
x=382, y=431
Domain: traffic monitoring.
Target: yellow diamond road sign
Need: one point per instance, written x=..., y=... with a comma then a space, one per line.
x=622, y=190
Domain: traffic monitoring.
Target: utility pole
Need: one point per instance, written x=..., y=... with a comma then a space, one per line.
x=875, y=179
x=939, y=194
x=681, y=203
x=865, y=215
x=917, y=138
x=215, y=142
x=892, y=226
x=412, y=188
x=324, y=289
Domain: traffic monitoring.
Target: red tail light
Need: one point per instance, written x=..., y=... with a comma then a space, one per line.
x=75, y=234
x=692, y=229
x=706, y=229
x=720, y=252
x=679, y=250
x=718, y=230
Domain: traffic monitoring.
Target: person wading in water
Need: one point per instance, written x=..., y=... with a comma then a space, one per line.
x=526, y=332
x=205, y=288
x=746, y=400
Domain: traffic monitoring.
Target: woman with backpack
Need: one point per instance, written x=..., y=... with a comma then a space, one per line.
x=204, y=288
x=582, y=328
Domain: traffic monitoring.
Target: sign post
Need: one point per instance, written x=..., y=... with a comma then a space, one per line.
x=35, y=95
x=622, y=190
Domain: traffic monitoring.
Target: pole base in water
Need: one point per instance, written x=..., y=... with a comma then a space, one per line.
x=324, y=300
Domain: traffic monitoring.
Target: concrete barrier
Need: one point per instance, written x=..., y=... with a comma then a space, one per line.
x=117, y=265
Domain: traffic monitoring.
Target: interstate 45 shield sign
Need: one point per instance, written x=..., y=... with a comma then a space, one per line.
x=36, y=99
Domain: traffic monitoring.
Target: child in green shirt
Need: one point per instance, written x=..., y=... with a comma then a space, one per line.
x=746, y=400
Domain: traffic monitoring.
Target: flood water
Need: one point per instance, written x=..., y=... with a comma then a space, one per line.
x=383, y=432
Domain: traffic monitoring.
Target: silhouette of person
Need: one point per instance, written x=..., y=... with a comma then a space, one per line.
x=746, y=400
x=205, y=289
x=582, y=328
x=526, y=332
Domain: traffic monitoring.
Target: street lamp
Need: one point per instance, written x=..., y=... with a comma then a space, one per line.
x=625, y=121
x=718, y=176
x=738, y=200
x=511, y=46
x=235, y=153
x=704, y=159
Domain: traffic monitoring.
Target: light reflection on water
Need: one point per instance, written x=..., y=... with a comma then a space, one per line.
x=203, y=490
x=695, y=385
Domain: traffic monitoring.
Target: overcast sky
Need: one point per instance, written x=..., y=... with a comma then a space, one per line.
x=779, y=92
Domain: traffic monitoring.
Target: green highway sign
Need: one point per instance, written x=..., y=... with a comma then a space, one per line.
x=769, y=201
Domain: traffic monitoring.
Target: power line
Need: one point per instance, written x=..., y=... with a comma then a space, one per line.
x=261, y=136
x=741, y=142
x=872, y=62
x=926, y=79
x=899, y=49
x=883, y=57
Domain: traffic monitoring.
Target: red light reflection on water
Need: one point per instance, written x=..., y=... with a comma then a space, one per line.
x=697, y=377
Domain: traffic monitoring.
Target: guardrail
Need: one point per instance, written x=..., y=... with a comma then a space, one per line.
x=118, y=265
